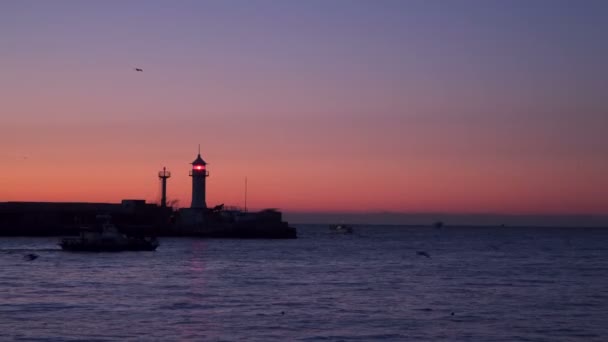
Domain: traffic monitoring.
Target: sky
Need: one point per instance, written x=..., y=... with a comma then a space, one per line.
x=344, y=106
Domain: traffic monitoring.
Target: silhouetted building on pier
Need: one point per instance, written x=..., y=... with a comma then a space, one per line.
x=59, y=218
x=199, y=220
x=137, y=216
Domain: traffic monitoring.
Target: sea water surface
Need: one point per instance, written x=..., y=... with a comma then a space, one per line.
x=479, y=284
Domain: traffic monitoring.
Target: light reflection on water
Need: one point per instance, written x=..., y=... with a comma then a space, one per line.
x=500, y=285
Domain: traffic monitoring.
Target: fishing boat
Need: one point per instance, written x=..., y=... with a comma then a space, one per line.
x=107, y=238
x=341, y=228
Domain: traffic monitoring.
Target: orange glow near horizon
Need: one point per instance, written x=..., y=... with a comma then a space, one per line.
x=331, y=185
x=410, y=172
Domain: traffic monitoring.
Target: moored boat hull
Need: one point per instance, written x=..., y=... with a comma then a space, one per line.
x=80, y=245
x=106, y=248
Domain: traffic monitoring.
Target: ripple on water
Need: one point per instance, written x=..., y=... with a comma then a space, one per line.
x=317, y=288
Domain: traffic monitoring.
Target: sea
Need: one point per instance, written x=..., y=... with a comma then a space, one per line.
x=381, y=283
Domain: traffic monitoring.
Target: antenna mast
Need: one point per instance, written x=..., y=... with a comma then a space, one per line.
x=164, y=175
x=245, y=194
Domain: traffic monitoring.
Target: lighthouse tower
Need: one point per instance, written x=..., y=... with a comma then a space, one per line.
x=164, y=175
x=199, y=174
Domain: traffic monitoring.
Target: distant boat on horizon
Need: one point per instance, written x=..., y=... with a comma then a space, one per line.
x=341, y=228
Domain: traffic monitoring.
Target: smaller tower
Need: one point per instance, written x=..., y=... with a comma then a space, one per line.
x=163, y=175
x=199, y=174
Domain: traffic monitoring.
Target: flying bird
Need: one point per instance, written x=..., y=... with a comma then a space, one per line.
x=138, y=69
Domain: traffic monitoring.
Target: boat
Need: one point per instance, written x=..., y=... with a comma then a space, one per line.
x=107, y=238
x=341, y=228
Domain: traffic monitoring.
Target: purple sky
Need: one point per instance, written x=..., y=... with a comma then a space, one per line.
x=454, y=106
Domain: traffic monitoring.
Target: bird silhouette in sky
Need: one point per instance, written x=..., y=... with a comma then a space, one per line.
x=139, y=69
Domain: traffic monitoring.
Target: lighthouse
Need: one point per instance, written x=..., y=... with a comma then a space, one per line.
x=199, y=174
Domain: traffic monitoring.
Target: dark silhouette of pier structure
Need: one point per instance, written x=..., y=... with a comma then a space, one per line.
x=134, y=216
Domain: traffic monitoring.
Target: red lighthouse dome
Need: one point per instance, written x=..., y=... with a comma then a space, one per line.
x=198, y=163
